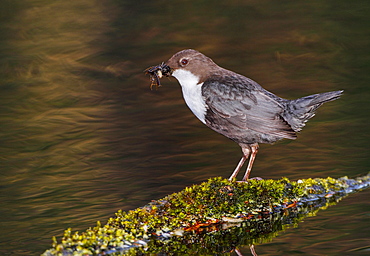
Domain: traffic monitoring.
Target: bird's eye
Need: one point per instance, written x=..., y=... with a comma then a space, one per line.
x=184, y=62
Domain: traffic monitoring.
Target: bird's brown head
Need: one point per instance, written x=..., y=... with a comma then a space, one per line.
x=183, y=65
x=193, y=61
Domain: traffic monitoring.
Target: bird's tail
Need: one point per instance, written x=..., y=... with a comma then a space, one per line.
x=299, y=111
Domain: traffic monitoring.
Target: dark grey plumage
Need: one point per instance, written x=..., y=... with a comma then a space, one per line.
x=243, y=111
x=299, y=111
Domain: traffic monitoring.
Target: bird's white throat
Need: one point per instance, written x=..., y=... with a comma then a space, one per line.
x=192, y=92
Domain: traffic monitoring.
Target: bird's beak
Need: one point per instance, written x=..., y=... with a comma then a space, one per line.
x=166, y=70
x=159, y=70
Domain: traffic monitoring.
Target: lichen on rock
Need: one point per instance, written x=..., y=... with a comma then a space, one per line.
x=208, y=213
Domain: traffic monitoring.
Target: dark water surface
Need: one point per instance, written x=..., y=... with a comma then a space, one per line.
x=82, y=135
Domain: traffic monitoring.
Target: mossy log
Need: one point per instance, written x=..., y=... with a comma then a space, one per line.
x=210, y=218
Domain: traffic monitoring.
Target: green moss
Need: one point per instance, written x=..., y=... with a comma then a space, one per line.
x=216, y=205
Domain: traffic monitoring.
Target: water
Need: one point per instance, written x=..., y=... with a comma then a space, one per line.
x=83, y=136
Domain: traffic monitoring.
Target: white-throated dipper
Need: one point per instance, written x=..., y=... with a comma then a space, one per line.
x=236, y=106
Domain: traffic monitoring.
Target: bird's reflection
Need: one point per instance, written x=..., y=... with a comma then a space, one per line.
x=251, y=247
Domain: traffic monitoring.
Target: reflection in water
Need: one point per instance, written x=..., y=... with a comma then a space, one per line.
x=82, y=135
x=54, y=119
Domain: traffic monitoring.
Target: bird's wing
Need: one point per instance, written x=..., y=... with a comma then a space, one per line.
x=246, y=105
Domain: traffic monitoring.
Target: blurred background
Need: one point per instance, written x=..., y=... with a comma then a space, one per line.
x=82, y=135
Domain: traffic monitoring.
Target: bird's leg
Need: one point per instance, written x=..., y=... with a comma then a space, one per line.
x=246, y=152
x=252, y=250
x=238, y=167
x=253, y=149
x=237, y=251
x=251, y=247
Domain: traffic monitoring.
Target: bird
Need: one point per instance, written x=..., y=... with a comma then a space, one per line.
x=238, y=107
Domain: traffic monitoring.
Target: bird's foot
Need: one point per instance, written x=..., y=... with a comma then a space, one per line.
x=254, y=178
